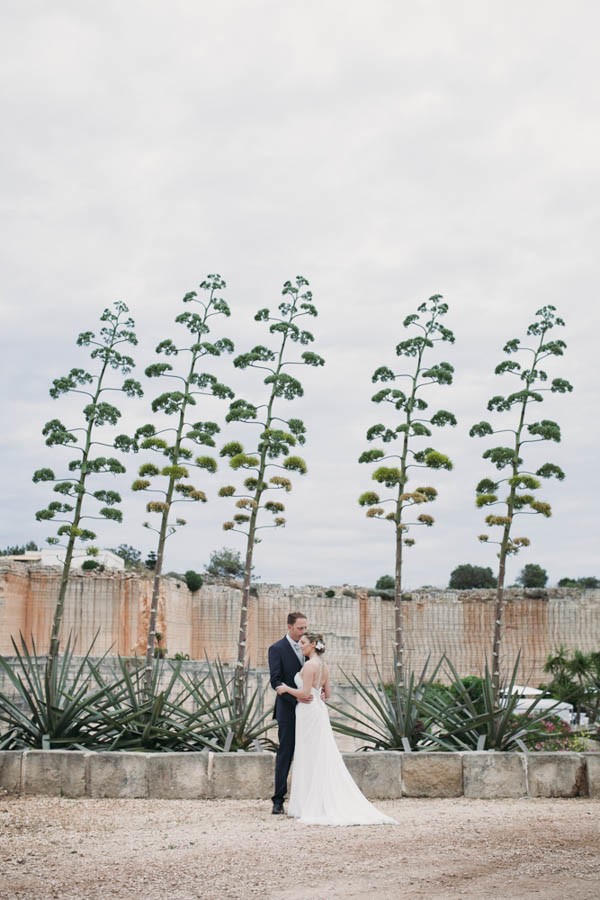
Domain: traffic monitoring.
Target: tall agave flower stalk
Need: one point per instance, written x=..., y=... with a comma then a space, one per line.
x=79, y=501
x=273, y=455
x=519, y=483
x=408, y=404
x=169, y=481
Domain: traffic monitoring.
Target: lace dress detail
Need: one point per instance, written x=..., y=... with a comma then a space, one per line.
x=323, y=791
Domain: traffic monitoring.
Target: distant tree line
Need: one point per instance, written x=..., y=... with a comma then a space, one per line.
x=19, y=549
x=467, y=576
x=589, y=582
x=227, y=563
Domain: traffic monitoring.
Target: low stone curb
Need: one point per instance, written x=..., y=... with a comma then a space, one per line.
x=381, y=775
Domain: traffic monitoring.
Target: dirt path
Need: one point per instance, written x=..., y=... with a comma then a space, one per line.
x=146, y=850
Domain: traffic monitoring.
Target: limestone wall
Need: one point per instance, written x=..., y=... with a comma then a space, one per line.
x=358, y=628
x=248, y=776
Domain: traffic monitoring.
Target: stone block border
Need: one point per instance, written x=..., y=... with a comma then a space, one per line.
x=249, y=776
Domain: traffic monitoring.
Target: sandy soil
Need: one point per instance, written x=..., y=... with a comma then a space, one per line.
x=52, y=848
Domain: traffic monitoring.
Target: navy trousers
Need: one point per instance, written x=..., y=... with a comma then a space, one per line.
x=285, y=753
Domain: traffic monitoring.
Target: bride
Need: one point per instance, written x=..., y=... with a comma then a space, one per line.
x=322, y=792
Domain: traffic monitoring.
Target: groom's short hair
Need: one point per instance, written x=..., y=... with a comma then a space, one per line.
x=291, y=619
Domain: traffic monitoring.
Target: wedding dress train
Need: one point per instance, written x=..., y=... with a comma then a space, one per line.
x=323, y=791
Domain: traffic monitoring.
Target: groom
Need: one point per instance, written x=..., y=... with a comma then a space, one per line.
x=285, y=659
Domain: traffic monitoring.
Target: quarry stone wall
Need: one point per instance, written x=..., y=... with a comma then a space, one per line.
x=357, y=627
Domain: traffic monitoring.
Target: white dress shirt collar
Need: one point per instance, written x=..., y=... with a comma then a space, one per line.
x=296, y=648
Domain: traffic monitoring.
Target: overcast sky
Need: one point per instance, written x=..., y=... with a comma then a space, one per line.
x=386, y=151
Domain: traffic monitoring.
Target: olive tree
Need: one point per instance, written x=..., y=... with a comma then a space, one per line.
x=131, y=556
x=467, y=577
x=272, y=455
x=80, y=502
x=518, y=483
x=225, y=563
x=170, y=481
x=532, y=576
x=411, y=426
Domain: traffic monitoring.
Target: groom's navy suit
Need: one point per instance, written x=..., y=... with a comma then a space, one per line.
x=283, y=665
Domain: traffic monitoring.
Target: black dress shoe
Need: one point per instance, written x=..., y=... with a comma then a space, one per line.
x=277, y=808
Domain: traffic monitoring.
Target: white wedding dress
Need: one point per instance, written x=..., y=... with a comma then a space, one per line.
x=323, y=791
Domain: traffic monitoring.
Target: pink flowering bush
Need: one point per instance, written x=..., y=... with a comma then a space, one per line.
x=553, y=734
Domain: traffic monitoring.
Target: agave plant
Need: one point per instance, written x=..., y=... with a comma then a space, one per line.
x=386, y=719
x=7, y=740
x=54, y=706
x=177, y=713
x=234, y=722
x=135, y=716
x=75, y=706
x=463, y=720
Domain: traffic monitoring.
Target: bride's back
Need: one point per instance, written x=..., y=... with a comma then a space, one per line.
x=319, y=671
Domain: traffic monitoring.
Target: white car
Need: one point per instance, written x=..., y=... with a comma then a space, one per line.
x=527, y=695
x=564, y=711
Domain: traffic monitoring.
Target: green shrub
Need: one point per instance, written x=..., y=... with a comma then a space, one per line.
x=193, y=580
x=385, y=583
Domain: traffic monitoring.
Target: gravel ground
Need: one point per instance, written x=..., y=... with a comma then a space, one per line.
x=75, y=849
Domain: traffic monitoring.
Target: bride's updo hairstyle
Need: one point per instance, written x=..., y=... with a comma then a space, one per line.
x=317, y=640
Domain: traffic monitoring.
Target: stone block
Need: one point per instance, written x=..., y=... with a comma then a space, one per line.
x=556, y=775
x=10, y=770
x=241, y=776
x=432, y=775
x=377, y=773
x=178, y=776
x=592, y=765
x=488, y=775
x=117, y=774
x=54, y=773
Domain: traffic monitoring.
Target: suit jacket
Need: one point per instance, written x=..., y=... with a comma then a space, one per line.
x=283, y=665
